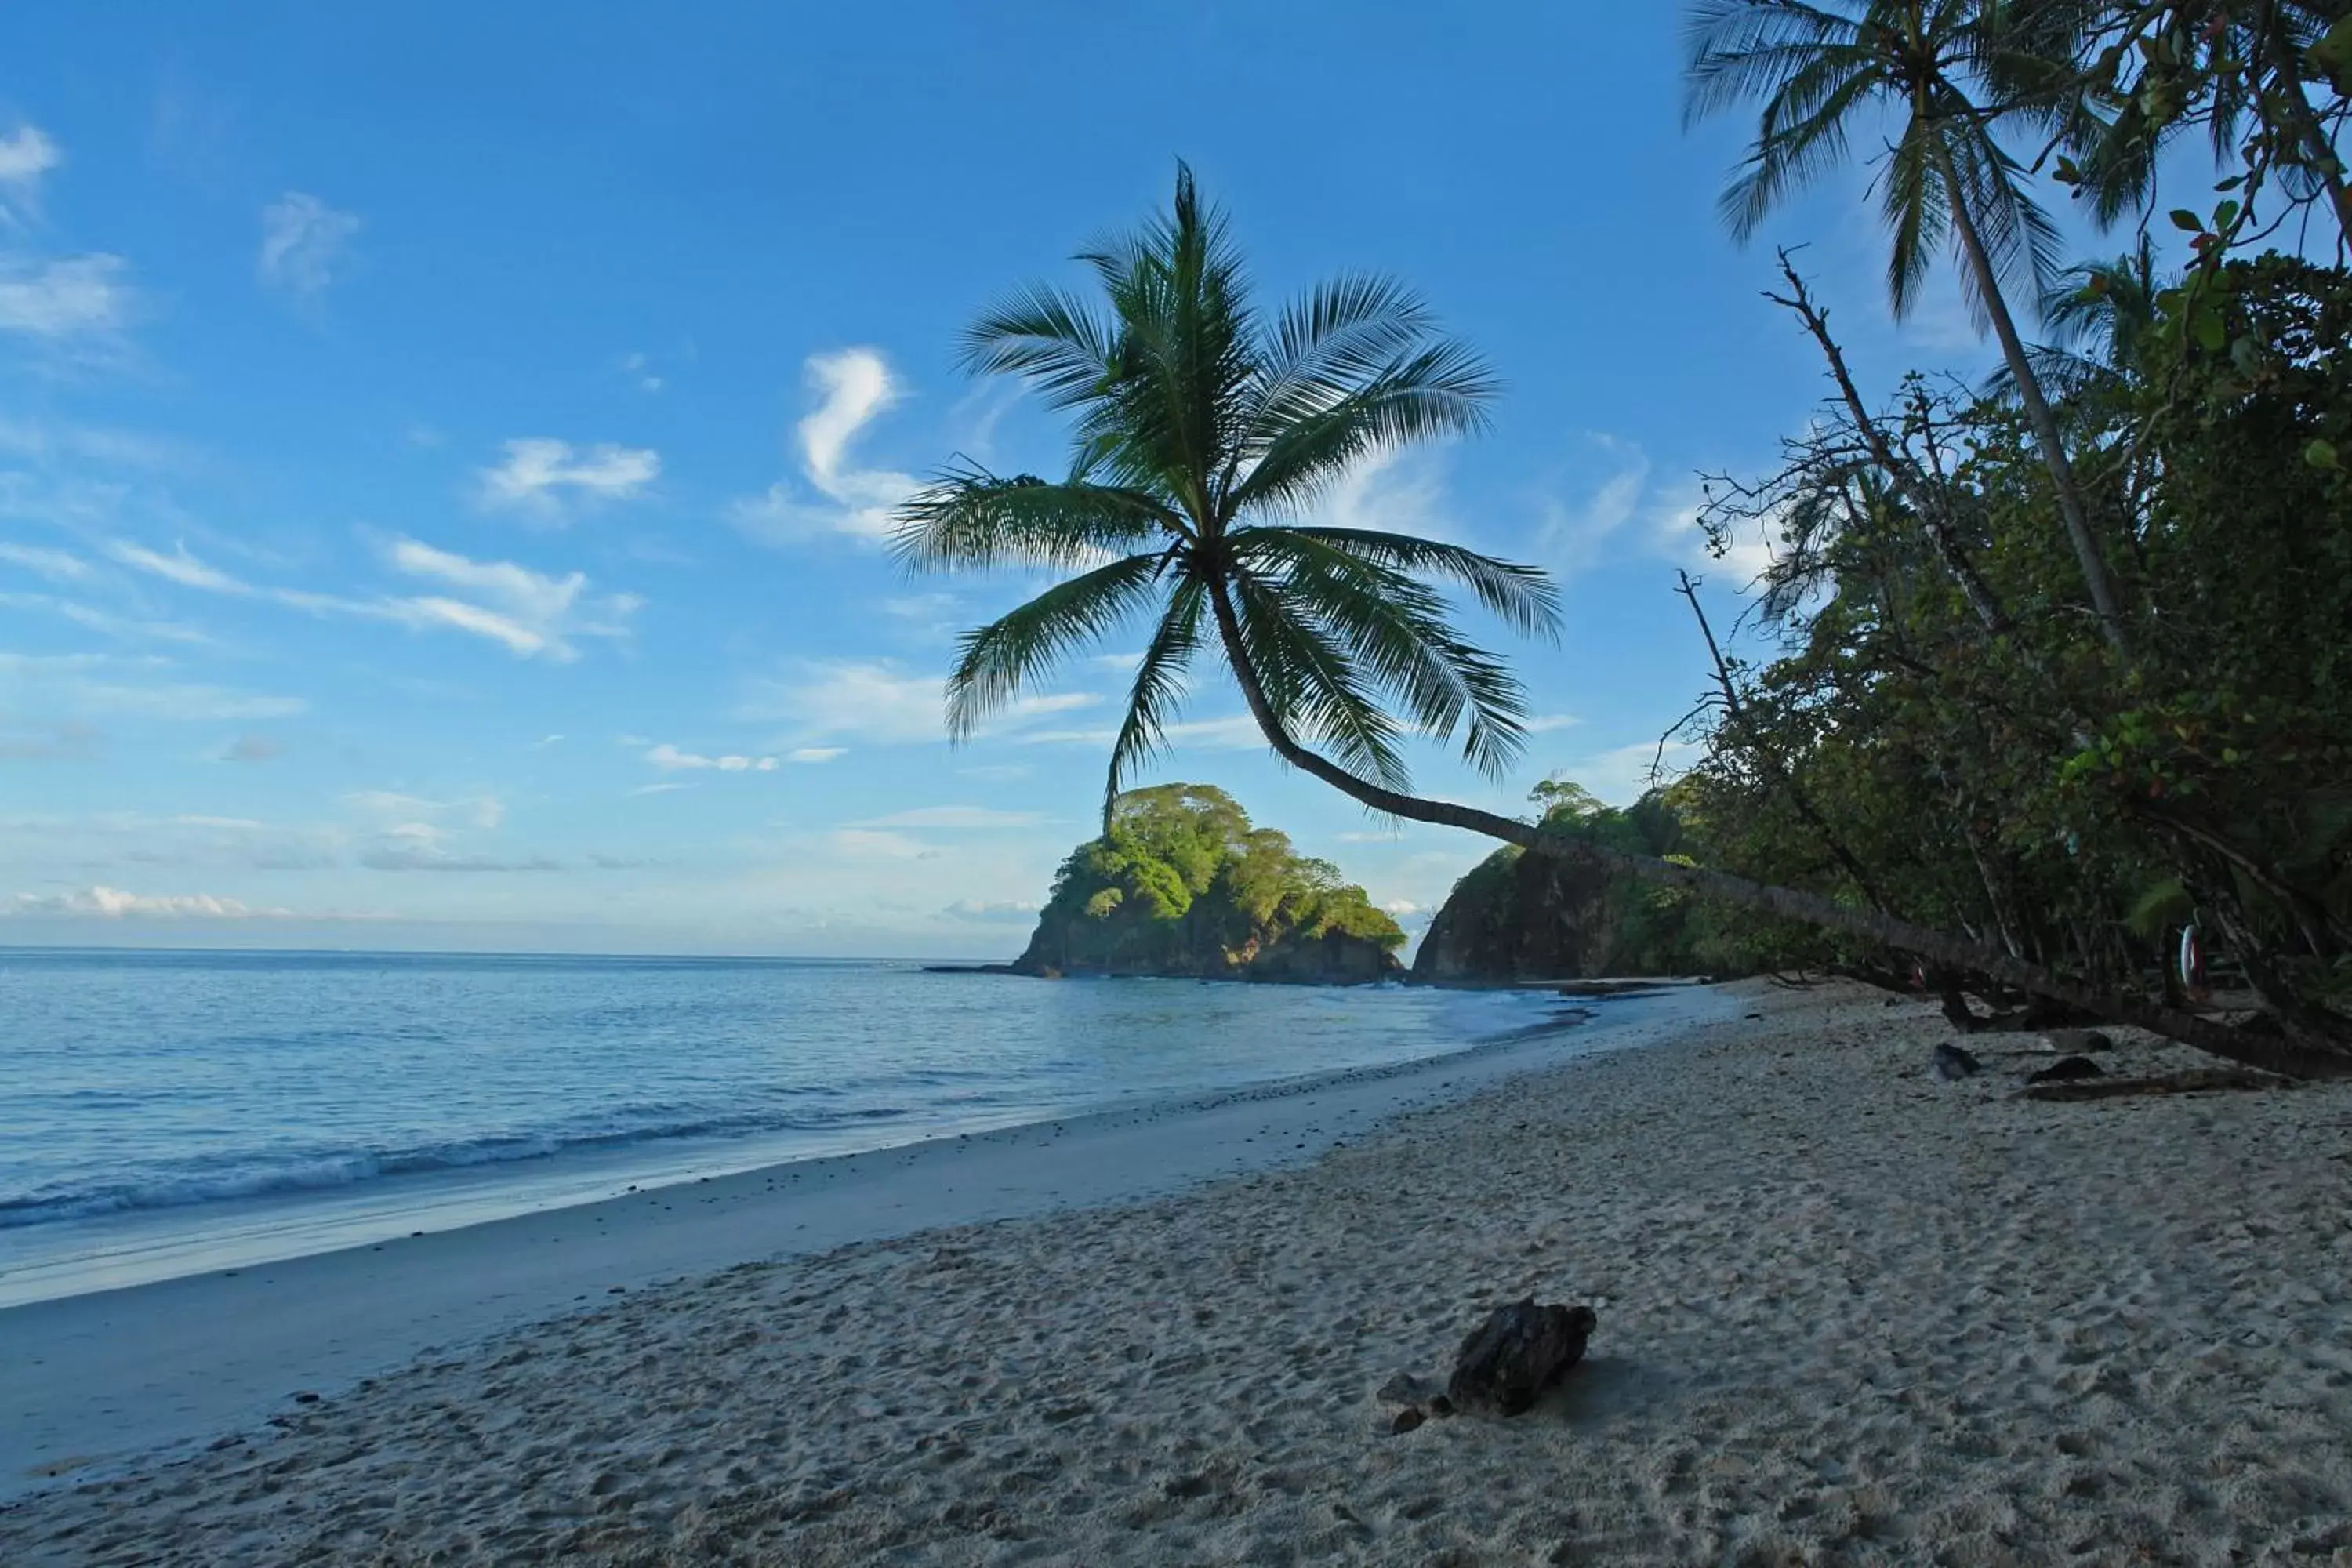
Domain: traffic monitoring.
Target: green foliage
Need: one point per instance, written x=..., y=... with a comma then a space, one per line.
x=1180, y=882
x=1517, y=917
x=1203, y=429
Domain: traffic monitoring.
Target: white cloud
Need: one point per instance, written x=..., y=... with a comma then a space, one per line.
x=56, y=565
x=302, y=239
x=1575, y=531
x=26, y=153
x=1391, y=491
x=531, y=614
x=639, y=368
x=177, y=567
x=112, y=903
x=667, y=788
x=815, y=754
x=669, y=759
x=67, y=297
x=538, y=475
x=1544, y=723
x=853, y=386
x=953, y=816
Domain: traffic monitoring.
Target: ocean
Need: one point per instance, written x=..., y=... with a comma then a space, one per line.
x=167, y=1112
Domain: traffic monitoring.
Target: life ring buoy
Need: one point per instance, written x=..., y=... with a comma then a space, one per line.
x=2192, y=963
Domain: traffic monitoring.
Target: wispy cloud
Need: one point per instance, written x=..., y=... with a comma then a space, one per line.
x=56, y=565
x=531, y=613
x=60, y=298
x=540, y=477
x=1578, y=527
x=114, y=904
x=853, y=387
x=177, y=567
x=1623, y=513
x=879, y=700
x=811, y=755
x=302, y=242
x=26, y=155
x=669, y=759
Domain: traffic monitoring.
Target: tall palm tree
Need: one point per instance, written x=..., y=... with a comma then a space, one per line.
x=1825, y=69
x=1203, y=432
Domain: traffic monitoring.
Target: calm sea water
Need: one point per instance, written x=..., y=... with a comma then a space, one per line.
x=152, y=1103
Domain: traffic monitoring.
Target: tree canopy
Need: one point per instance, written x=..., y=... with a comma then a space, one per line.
x=1181, y=882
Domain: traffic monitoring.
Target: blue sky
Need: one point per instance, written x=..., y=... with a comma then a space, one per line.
x=441, y=449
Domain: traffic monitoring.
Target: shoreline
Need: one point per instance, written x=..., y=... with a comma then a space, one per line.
x=305, y=1212
x=104, y=1377
x=1848, y=1313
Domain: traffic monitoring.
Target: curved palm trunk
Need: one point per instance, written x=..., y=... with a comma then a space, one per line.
x=2269, y=1053
x=2037, y=413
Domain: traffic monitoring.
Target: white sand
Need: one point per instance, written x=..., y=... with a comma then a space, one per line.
x=1846, y=1315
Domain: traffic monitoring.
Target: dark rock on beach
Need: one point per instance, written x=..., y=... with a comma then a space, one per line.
x=1518, y=1353
x=1952, y=1064
x=2068, y=1069
x=2075, y=1041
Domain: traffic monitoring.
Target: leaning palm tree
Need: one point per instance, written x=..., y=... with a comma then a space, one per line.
x=1204, y=435
x=1826, y=69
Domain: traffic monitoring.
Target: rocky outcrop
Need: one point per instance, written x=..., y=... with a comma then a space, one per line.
x=1182, y=884
x=1523, y=917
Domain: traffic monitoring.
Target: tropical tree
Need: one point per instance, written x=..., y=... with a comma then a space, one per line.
x=1826, y=69
x=1203, y=432
x=2244, y=69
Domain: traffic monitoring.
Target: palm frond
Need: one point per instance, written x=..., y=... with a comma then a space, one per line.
x=1437, y=391
x=1158, y=691
x=1313, y=686
x=970, y=518
x=1524, y=597
x=996, y=661
x=1395, y=630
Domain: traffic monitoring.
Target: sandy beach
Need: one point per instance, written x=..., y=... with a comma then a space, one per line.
x=1847, y=1314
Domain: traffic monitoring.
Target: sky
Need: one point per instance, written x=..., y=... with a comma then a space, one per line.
x=443, y=453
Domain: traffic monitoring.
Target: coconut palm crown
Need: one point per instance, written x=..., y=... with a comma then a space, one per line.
x=1206, y=433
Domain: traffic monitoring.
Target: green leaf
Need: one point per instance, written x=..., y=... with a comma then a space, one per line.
x=2322, y=454
x=2212, y=333
x=2183, y=219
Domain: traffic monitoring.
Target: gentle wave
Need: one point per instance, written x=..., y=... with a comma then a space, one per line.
x=317, y=1171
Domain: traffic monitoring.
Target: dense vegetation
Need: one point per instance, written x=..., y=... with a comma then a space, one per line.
x=1517, y=916
x=1182, y=883
x=2058, y=664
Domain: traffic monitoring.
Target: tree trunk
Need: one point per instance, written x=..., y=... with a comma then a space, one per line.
x=1936, y=948
x=2037, y=413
